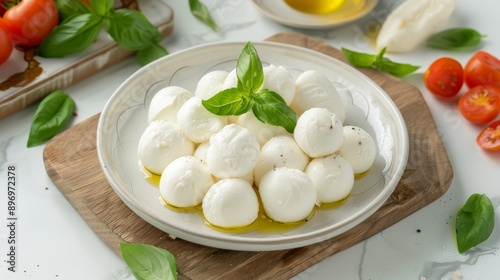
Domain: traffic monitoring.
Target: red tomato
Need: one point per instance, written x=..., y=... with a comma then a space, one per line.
x=489, y=138
x=2, y=9
x=480, y=104
x=31, y=20
x=482, y=69
x=6, y=45
x=444, y=77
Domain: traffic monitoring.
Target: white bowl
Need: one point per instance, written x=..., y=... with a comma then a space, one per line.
x=124, y=118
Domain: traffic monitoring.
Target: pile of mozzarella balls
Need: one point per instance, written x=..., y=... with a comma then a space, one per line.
x=225, y=163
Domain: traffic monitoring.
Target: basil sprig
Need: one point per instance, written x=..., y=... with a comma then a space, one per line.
x=200, y=11
x=474, y=222
x=51, y=116
x=129, y=28
x=148, y=262
x=379, y=62
x=455, y=39
x=268, y=106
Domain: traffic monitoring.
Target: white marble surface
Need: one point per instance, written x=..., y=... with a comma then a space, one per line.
x=53, y=242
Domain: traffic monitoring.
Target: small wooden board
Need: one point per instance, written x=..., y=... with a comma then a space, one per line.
x=71, y=162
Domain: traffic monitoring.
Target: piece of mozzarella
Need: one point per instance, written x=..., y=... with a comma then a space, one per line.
x=231, y=203
x=161, y=143
x=358, y=148
x=287, y=195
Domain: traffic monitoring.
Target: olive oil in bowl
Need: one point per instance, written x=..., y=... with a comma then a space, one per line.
x=316, y=6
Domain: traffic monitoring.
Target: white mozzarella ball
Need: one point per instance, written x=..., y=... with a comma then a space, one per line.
x=332, y=177
x=185, y=181
x=287, y=195
x=279, y=151
x=233, y=152
x=279, y=80
x=161, y=143
x=262, y=131
x=197, y=123
x=167, y=102
x=313, y=89
x=210, y=84
x=231, y=203
x=358, y=149
x=231, y=80
x=318, y=132
x=201, y=152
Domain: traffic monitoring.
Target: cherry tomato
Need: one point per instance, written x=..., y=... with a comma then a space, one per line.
x=482, y=69
x=444, y=77
x=480, y=104
x=489, y=138
x=6, y=45
x=31, y=20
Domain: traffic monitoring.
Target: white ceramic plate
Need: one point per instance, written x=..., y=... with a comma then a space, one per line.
x=279, y=11
x=124, y=118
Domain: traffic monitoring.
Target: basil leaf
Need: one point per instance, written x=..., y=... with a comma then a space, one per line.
x=200, y=11
x=73, y=35
x=69, y=8
x=149, y=262
x=359, y=59
x=474, y=222
x=271, y=108
x=393, y=68
x=131, y=29
x=455, y=39
x=151, y=54
x=229, y=102
x=51, y=116
x=379, y=62
x=249, y=70
x=102, y=7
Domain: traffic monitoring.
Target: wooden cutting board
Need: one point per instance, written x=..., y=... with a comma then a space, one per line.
x=71, y=162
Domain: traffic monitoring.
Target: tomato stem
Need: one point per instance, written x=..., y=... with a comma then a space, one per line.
x=7, y=4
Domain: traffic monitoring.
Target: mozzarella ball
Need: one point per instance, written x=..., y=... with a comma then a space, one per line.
x=279, y=80
x=313, y=89
x=197, y=123
x=262, y=131
x=231, y=203
x=287, y=195
x=332, y=177
x=318, y=132
x=201, y=152
x=185, y=181
x=167, y=102
x=210, y=84
x=358, y=149
x=279, y=151
x=161, y=143
x=231, y=80
x=233, y=152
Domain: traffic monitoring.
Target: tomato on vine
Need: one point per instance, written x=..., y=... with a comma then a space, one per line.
x=6, y=45
x=489, y=138
x=481, y=104
x=444, y=77
x=29, y=21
